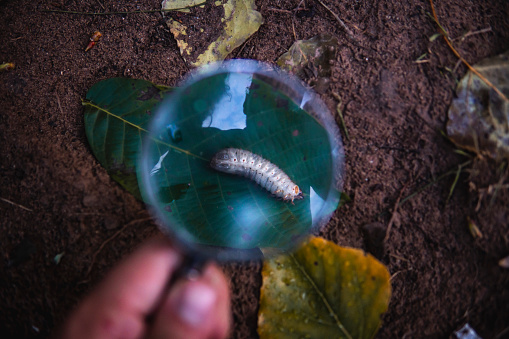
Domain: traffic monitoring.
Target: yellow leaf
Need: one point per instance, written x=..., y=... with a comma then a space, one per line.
x=323, y=291
x=181, y=5
x=240, y=20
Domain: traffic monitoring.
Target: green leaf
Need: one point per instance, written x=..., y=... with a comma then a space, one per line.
x=323, y=291
x=117, y=112
x=434, y=37
x=479, y=116
x=238, y=22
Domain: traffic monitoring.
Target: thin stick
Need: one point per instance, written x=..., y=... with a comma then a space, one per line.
x=472, y=69
x=340, y=113
x=243, y=45
x=59, y=105
x=394, y=211
x=395, y=274
x=504, y=332
x=293, y=21
x=454, y=183
x=110, y=239
x=272, y=9
x=485, y=30
x=100, y=4
x=348, y=31
x=17, y=205
x=122, y=12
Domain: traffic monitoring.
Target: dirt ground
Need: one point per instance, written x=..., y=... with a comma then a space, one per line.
x=55, y=198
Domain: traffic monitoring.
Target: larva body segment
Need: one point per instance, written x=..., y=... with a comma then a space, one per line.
x=263, y=172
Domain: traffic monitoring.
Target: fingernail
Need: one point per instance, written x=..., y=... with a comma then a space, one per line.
x=194, y=302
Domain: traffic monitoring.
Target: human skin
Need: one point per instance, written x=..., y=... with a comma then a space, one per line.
x=133, y=301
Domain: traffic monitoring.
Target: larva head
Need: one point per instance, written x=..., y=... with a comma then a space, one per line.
x=297, y=190
x=220, y=161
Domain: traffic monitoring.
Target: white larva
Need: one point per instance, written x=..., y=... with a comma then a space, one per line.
x=263, y=172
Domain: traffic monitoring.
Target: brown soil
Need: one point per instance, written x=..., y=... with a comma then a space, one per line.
x=394, y=110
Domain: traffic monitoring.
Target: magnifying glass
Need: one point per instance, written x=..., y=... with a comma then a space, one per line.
x=262, y=123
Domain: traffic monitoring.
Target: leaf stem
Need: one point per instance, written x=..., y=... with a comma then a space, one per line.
x=325, y=301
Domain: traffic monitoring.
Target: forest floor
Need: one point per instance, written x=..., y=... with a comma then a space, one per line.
x=55, y=197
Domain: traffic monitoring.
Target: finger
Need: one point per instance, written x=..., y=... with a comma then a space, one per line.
x=196, y=309
x=118, y=307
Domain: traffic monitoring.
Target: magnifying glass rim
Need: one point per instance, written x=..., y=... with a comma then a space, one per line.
x=293, y=88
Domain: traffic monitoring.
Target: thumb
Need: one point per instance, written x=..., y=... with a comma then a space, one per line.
x=195, y=309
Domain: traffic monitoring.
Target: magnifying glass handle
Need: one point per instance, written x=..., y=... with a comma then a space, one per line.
x=191, y=268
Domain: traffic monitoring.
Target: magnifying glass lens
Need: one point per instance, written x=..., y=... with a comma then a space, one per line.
x=241, y=157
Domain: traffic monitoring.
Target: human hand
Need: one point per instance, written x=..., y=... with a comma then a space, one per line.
x=119, y=306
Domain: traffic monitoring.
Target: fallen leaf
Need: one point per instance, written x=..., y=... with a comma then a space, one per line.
x=239, y=20
x=323, y=291
x=474, y=229
x=7, y=66
x=180, y=5
x=479, y=116
x=117, y=113
x=311, y=59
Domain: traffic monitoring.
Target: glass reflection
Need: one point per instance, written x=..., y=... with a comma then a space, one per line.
x=316, y=203
x=228, y=112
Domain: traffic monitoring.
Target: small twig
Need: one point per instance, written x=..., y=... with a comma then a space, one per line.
x=398, y=257
x=503, y=333
x=395, y=275
x=499, y=185
x=121, y=12
x=458, y=63
x=472, y=69
x=348, y=31
x=100, y=4
x=485, y=30
x=340, y=113
x=243, y=45
x=293, y=28
x=394, y=211
x=272, y=9
x=293, y=19
x=490, y=188
x=110, y=239
x=454, y=183
x=17, y=205
x=424, y=61
x=59, y=105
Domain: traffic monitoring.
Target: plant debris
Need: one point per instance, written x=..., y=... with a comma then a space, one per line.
x=479, y=116
x=94, y=39
x=239, y=21
x=311, y=60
